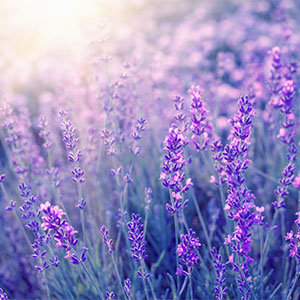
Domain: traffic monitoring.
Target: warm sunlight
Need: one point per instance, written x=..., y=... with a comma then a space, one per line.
x=39, y=25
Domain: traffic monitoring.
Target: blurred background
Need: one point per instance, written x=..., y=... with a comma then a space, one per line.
x=80, y=54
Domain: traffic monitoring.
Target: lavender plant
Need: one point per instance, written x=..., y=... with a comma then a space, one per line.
x=154, y=181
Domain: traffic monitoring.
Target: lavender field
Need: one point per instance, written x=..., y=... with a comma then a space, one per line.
x=150, y=149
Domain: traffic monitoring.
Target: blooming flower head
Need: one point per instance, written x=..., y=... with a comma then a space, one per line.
x=173, y=175
x=293, y=238
x=220, y=269
x=110, y=295
x=63, y=231
x=107, y=241
x=127, y=287
x=200, y=127
x=186, y=250
x=136, y=237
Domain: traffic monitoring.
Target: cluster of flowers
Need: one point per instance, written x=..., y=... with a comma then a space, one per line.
x=282, y=98
x=294, y=243
x=240, y=200
x=62, y=232
x=186, y=250
x=172, y=174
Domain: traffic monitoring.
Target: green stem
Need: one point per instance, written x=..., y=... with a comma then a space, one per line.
x=292, y=288
x=92, y=281
x=190, y=285
x=118, y=275
x=144, y=281
x=261, y=263
x=183, y=286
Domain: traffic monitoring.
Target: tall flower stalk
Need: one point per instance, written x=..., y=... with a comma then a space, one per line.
x=74, y=156
x=240, y=200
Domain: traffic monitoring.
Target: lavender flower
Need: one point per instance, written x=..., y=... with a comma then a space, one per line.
x=127, y=287
x=200, y=127
x=15, y=139
x=136, y=237
x=3, y=295
x=63, y=232
x=44, y=133
x=109, y=141
x=186, y=250
x=287, y=137
x=31, y=216
x=216, y=148
x=276, y=63
x=294, y=246
x=220, y=269
x=70, y=138
x=69, y=132
x=239, y=201
x=74, y=156
x=107, y=241
x=110, y=295
x=172, y=174
x=179, y=107
x=139, y=128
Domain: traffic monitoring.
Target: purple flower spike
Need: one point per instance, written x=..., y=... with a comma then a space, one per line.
x=110, y=295
x=127, y=287
x=107, y=241
x=220, y=272
x=84, y=250
x=69, y=132
x=136, y=237
x=293, y=240
x=286, y=135
x=186, y=250
x=81, y=204
x=44, y=133
x=200, y=127
x=172, y=175
x=63, y=232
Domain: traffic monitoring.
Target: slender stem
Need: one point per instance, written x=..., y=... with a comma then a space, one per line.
x=144, y=281
x=269, y=232
x=176, y=238
x=201, y=221
x=292, y=288
x=276, y=290
x=261, y=263
x=200, y=215
x=118, y=275
x=183, y=286
x=92, y=281
x=82, y=218
x=150, y=283
x=152, y=289
x=45, y=282
x=190, y=285
x=285, y=249
x=145, y=224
